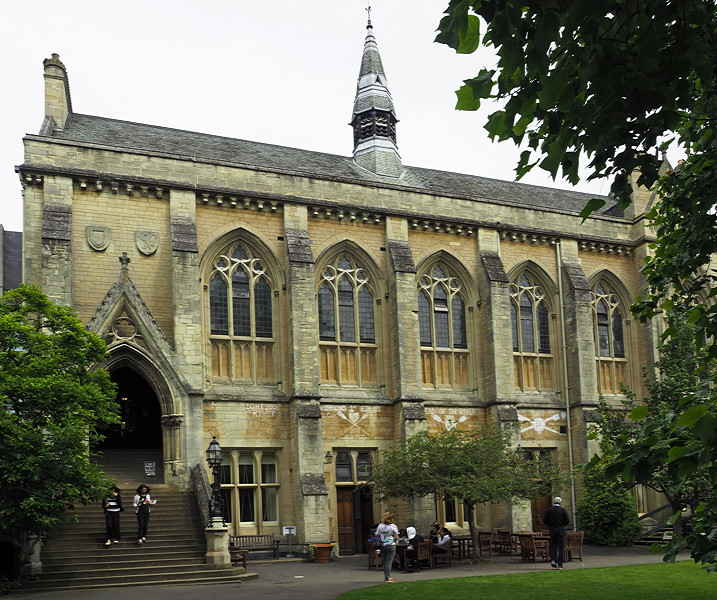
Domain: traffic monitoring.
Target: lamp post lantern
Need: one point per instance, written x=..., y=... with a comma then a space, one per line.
x=214, y=459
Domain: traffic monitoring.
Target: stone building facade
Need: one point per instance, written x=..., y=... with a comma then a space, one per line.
x=310, y=310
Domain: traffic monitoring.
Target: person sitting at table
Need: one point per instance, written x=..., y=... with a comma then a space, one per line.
x=435, y=530
x=402, y=536
x=412, y=548
x=443, y=542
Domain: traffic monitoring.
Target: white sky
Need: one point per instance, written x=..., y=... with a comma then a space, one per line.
x=281, y=72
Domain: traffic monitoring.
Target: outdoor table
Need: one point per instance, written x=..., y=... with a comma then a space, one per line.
x=464, y=543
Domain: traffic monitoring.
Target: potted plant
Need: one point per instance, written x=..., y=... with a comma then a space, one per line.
x=320, y=553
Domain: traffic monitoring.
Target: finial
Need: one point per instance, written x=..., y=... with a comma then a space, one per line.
x=368, y=10
x=124, y=261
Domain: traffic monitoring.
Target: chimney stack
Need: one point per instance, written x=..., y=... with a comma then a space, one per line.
x=57, y=92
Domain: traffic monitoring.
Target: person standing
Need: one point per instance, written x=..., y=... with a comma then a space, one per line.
x=112, y=505
x=387, y=532
x=556, y=518
x=142, y=504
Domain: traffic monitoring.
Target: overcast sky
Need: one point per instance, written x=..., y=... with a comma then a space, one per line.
x=281, y=72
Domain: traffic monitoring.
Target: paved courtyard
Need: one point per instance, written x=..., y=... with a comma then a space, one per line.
x=285, y=579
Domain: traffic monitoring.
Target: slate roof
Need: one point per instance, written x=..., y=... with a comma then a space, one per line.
x=152, y=139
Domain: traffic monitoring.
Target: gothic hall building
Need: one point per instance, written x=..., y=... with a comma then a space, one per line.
x=311, y=310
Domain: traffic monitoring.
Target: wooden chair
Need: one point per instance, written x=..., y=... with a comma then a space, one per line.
x=533, y=547
x=507, y=543
x=420, y=557
x=496, y=542
x=374, y=558
x=574, y=545
x=485, y=541
x=440, y=557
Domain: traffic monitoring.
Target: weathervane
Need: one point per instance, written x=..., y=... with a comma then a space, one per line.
x=368, y=10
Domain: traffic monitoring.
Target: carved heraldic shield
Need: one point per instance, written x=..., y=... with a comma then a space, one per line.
x=146, y=241
x=98, y=237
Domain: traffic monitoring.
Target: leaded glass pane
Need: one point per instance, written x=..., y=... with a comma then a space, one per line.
x=344, y=264
x=268, y=469
x=603, y=325
x=364, y=466
x=240, y=303
x=424, y=318
x=268, y=503
x=543, y=329
x=327, y=324
x=527, y=337
x=514, y=321
x=441, y=324
x=218, y=306
x=618, y=342
x=247, y=510
x=262, y=309
x=347, y=319
x=343, y=467
x=246, y=469
x=365, y=308
x=524, y=281
x=239, y=254
x=438, y=273
x=458, y=315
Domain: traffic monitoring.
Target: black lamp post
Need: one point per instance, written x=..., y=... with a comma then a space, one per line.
x=214, y=459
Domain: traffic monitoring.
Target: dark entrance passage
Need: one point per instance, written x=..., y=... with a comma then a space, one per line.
x=140, y=412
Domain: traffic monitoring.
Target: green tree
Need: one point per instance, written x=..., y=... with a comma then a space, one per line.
x=473, y=466
x=612, y=82
x=54, y=401
x=645, y=442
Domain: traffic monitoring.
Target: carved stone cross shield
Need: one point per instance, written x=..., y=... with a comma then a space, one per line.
x=146, y=241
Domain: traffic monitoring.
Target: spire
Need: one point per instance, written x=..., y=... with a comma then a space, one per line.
x=374, y=117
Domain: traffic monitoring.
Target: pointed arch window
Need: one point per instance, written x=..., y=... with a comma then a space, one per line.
x=443, y=329
x=241, y=317
x=532, y=355
x=347, y=325
x=608, y=325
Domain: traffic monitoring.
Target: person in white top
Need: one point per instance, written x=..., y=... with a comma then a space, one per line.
x=142, y=503
x=387, y=532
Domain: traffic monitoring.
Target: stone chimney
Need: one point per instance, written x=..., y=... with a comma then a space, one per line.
x=57, y=92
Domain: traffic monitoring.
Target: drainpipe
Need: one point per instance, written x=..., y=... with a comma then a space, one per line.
x=566, y=387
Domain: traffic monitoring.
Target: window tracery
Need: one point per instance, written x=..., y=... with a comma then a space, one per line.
x=608, y=327
x=443, y=330
x=347, y=325
x=241, y=317
x=532, y=356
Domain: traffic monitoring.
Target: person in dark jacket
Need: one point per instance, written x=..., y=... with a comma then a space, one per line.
x=556, y=518
x=112, y=505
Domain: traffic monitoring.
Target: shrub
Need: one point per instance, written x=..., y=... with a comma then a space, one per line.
x=607, y=513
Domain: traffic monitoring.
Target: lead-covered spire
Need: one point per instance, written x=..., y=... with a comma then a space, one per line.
x=374, y=117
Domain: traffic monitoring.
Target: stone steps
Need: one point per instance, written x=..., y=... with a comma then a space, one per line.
x=75, y=557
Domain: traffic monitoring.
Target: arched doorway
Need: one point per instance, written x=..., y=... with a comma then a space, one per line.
x=140, y=411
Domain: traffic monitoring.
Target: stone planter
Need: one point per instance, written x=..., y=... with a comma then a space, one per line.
x=322, y=552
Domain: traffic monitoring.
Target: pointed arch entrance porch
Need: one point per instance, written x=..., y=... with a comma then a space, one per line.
x=151, y=421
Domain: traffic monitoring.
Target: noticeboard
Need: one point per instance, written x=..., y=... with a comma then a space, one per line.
x=150, y=468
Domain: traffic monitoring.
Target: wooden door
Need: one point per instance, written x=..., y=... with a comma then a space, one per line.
x=345, y=519
x=537, y=509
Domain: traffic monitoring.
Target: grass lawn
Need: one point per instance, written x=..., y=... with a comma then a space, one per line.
x=679, y=581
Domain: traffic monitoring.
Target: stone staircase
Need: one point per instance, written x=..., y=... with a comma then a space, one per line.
x=75, y=557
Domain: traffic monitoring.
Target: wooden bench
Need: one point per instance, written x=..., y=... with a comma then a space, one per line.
x=252, y=542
